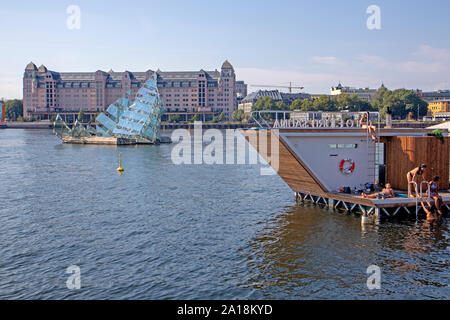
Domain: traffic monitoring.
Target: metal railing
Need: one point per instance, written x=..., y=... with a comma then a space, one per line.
x=267, y=118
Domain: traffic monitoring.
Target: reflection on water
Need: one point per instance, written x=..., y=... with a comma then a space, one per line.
x=162, y=231
x=320, y=254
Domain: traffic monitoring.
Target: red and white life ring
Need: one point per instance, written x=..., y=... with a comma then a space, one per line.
x=347, y=166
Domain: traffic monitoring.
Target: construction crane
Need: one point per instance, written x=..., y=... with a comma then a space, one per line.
x=290, y=87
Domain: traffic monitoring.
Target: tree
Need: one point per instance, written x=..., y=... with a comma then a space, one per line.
x=296, y=104
x=195, y=117
x=238, y=115
x=281, y=106
x=401, y=102
x=352, y=103
x=325, y=103
x=14, y=109
x=219, y=118
x=80, y=116
x=265, y=103
x=174, y=118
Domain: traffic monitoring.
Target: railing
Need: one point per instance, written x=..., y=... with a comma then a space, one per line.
x=310, y=119
x=417, y=196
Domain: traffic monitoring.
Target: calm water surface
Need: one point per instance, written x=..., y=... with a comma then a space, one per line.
x=162, y=231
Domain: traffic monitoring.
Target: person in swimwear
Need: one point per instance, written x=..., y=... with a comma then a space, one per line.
x=367, y=124
x=412, y=177
x=434, y=194
x=432, y=212
x=387, y=193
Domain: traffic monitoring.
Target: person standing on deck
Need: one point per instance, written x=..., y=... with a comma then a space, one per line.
x=412, y=177
x=434, y=194
x=367, y=124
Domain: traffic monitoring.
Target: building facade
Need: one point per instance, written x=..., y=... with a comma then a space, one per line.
x=438, y=106
x=241, y=91
x=362, y=93
x=434, y=95
x=47, y=93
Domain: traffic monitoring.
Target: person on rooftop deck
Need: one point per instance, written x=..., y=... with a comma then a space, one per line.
x=412, y=177
x=434, y=194
x=387, y=193
x=367, y=124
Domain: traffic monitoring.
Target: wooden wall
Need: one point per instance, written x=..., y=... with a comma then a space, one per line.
x=405, y=153
x=291, y=169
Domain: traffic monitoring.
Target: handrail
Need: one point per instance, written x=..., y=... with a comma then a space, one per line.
x=257, y=116
x=417, y=196
x=428, y=189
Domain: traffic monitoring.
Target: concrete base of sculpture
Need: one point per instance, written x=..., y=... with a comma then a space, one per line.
x=113, y=141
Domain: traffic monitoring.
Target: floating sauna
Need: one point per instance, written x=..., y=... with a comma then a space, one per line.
x=317, y=160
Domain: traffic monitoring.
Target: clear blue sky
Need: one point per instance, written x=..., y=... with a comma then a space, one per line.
x=311, y=43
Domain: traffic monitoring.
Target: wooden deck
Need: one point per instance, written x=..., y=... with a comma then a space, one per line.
x=383, y=203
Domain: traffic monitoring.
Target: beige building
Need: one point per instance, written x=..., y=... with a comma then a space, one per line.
x=362, y=93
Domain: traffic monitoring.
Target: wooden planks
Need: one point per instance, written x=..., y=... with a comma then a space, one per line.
x=291, y=170
x=405, y=153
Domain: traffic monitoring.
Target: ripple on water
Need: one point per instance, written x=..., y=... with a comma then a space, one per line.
x=162, y=231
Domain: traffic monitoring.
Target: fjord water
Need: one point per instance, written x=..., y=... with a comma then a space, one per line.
x=163, y=231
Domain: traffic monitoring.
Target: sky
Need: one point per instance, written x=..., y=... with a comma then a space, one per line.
x=315, y=44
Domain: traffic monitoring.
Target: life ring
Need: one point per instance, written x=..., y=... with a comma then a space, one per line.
x=347, y=166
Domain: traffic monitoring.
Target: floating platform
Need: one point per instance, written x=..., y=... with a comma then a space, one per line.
x=312, y=163
x=357, y=204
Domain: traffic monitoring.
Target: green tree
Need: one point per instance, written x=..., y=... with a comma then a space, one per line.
x=219, y=118
x=14, y=109
x=265, y=103
x=325, y=103
x=238, y=115
x=196, y=117
x=307, y=105
x=401, y=102
x=296, y=104
x=280, y=105
x=174, y=118
x=80, y=116
x=352, y=103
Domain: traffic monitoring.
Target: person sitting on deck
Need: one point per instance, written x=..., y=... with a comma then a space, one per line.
x=387, y=193
x=434, y=194
x=367, y=124
x=432, y=212
x=412, y=177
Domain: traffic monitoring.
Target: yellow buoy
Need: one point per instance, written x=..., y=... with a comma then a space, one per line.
x=120, y=169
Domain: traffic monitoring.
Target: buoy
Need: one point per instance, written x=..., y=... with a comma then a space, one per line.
x=120, y=169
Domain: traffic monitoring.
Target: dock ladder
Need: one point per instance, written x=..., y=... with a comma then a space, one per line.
x=418, y=195
x=374, y=160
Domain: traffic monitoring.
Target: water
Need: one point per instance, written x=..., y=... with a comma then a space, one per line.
x=163, y=231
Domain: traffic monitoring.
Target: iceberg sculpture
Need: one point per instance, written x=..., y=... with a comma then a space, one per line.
x=139, y=121
x=107, y=121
